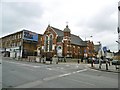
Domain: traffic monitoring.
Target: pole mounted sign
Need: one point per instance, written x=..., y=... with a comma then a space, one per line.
x=105, y=49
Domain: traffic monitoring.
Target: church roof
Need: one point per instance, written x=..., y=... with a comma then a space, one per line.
x=58, y=31
x=74, y=38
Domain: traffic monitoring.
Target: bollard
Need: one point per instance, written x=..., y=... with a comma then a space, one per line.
x=78, y=61
x=91, y=63
x=57, y=62
x=100, y=65
x=51, y=62
x=109, y=63
x=106, y=66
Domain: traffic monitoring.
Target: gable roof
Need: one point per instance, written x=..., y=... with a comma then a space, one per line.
x=74, y=38
x=58, y=31
x=97, y=48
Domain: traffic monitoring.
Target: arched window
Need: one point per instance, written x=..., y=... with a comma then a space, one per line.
x=50, y=43
x=46, y=43
x=59, y=51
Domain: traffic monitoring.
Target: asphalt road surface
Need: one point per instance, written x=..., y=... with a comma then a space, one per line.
x=19, y=74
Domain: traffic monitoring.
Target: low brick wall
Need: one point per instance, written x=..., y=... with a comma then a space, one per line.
x=31, y=58
x=116, y=57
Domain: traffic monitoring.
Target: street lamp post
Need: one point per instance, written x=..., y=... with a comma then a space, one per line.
x=118, y=42
x=118, y=45
x=100, y=54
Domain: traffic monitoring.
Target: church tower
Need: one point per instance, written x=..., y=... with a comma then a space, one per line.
x=67, y=42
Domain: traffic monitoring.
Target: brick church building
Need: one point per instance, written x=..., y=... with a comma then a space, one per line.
x=64, y=44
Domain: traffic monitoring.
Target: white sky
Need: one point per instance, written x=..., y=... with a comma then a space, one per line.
x=98, y=18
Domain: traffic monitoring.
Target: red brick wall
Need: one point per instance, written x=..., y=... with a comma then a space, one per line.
x=49, y=31
x=90, y=49
x=67, y=34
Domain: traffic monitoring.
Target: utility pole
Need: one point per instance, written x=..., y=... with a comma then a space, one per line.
x=100, y=55
x=105, y=52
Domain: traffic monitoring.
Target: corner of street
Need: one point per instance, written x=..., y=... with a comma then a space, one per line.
x=24, y=74
x=111, y=68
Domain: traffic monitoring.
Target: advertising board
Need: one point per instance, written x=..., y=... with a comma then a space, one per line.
x=28, y=35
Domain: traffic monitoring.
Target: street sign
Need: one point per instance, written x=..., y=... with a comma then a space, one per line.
x=105, y=49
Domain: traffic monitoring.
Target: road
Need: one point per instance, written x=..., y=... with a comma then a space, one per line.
x=19, y=74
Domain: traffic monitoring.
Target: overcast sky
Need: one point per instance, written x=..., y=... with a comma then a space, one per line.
x=97, y=18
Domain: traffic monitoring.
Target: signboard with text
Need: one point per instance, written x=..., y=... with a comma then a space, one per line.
x=28, y=35
x=105, y=49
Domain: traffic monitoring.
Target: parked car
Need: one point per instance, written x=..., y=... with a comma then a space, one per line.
x=115, y=62
x=89, y=60
x=103, y=61
x=94, y=60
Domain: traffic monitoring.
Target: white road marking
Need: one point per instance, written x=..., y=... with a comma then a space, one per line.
x=81, y=70
x=49, y=68
x=32, y=84
x=24, y=64
x=73, y=72
x=50, y=78
x=64, y=75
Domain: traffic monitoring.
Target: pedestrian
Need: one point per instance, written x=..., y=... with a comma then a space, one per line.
x=92, y=63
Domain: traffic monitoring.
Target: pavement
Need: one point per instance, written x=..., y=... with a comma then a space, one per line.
x=111, y=68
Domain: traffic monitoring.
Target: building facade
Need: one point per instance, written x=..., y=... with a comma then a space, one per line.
x=64, y=44
x=53, y=42
x=20, y=44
